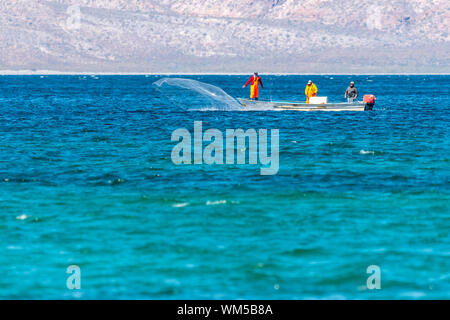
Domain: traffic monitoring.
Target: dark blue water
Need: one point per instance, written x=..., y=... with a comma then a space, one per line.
x=86, y=178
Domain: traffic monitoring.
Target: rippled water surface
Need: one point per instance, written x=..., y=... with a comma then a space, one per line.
x=86, y=178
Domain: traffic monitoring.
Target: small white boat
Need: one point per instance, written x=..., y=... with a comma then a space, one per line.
x=302, y=106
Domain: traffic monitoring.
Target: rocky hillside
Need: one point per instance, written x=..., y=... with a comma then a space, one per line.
x=225, y=35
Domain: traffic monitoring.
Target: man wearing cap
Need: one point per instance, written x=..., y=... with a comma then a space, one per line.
x=310, y=90
x=255, y=81
x=351, y=93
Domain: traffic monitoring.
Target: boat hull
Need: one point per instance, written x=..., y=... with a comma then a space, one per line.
x=301, y=106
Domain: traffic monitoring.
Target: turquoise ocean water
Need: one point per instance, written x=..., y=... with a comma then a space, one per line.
x=86, y=179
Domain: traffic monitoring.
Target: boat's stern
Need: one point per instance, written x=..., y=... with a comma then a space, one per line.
x=369, y=101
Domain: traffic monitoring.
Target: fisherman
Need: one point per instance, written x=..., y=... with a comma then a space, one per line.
x=255, y=80
x=351, y=93
x=310, y=90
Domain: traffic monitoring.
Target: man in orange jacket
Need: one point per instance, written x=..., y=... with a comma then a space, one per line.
x=254, y=81
x=310, y=90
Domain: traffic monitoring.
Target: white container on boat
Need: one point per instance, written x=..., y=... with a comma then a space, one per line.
x=318, y=100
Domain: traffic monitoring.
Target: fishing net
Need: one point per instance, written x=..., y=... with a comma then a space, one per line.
x=196, y=95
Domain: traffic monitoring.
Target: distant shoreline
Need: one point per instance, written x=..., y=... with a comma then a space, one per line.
x=51, y=72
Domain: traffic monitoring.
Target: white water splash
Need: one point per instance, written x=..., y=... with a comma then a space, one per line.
x=213, y=203
x=215, y=96
x=366, y=152
x=180, y=205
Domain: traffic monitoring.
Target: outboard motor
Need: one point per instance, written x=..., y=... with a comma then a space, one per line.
x=369, y=100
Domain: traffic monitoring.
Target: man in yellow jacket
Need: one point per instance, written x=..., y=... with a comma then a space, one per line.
x=310, y=90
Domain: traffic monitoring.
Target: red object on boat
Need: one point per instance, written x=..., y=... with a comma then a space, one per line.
x=369, y=98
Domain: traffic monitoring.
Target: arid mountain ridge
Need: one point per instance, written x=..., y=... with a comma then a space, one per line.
x=286, y=36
